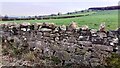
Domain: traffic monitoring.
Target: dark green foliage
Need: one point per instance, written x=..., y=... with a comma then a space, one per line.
x=56, y=60
x=5, y=52
x=113, y=61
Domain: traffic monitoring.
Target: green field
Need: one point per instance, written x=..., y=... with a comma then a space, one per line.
x=93, y=20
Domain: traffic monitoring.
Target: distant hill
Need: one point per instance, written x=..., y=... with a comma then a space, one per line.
x=106, y=8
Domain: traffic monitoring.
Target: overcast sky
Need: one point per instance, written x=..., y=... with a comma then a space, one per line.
x=44, y=7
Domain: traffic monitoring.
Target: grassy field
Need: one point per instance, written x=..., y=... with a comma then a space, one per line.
x=93, y=20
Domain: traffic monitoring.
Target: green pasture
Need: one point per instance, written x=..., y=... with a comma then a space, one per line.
x=93, y=20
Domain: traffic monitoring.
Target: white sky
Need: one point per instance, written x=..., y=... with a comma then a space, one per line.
x=43, y=7
x=58, y=0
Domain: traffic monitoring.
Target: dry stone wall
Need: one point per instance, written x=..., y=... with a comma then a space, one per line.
x=51, y=45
